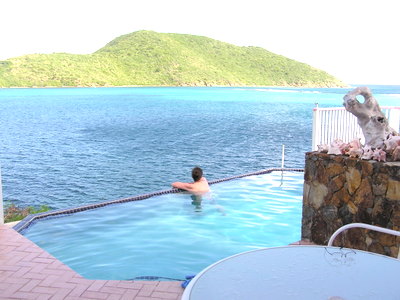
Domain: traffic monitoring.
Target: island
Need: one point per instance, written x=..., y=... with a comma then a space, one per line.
x=148, y=58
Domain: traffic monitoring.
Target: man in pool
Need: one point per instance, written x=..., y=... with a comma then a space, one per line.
x=199, y=186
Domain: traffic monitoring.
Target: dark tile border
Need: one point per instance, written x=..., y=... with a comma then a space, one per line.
x=29, y=220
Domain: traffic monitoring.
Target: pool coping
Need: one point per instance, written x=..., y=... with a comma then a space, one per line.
x=30, y=219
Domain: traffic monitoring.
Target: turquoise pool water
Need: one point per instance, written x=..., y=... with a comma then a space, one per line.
x=174, y=235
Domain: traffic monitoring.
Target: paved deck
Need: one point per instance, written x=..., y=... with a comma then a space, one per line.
x=29, y=272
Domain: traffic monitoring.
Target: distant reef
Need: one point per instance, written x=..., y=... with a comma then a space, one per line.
x=148, y=58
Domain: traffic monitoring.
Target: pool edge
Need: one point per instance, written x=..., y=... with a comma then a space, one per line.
x=30, y=219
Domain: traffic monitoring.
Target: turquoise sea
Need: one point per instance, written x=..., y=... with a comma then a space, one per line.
x=71, y=146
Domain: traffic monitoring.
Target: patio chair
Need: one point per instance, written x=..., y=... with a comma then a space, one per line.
x=366, y=226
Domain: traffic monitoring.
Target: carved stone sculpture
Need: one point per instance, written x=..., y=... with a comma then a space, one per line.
x=372, y=121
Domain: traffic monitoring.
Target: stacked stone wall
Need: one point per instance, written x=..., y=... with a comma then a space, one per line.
x=340, y=190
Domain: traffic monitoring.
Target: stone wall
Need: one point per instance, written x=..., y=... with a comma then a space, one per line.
x=339, y=190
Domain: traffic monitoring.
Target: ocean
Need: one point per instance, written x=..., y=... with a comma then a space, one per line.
x=66, y=147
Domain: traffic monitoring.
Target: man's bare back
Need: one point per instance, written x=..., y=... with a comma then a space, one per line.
x=200, y=184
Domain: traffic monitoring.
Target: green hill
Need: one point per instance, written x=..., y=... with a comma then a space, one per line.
x=162, y=59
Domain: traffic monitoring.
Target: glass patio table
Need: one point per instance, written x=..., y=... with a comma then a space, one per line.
x=298, y=272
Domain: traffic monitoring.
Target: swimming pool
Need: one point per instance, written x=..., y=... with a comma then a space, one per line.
x=174, y=235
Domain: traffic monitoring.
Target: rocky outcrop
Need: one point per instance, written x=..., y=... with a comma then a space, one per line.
x=339, y=190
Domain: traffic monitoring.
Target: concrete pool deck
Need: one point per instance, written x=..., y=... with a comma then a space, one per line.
x=29, y=272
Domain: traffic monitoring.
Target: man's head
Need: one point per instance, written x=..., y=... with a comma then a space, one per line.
x=197, y=173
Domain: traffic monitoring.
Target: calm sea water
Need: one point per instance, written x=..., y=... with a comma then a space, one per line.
x=68, y=147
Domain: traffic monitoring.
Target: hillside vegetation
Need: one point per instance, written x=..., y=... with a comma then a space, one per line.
x=149, y=58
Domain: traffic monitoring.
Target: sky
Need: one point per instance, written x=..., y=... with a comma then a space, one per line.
x=353, y=40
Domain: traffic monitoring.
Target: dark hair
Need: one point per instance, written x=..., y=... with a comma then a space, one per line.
x=197, y=173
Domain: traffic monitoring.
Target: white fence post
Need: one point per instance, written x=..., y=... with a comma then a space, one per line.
x=316, y=128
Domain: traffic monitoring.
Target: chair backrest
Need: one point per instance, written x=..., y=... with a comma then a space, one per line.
x=334, y=123
x=366, y=226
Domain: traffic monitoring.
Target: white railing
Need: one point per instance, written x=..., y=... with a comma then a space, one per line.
x=334, y=123
x=365, y=226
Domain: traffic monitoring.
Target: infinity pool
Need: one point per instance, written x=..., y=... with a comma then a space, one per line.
x=174, y=235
